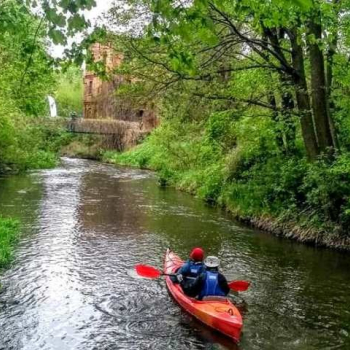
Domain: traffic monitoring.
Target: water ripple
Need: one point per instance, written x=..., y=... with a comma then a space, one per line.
x=85, y=225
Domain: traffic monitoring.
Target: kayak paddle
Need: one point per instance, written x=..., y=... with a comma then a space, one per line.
x=239, y=286
x=151, y=272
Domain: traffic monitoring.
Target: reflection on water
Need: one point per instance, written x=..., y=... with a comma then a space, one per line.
x=86, y=224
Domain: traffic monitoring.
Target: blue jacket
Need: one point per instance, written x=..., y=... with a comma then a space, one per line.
x=191, y=269
x=213, y=284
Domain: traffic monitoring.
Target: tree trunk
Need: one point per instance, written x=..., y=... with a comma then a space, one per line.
x=330, y=54
x=287, y=119
x=279, y=135
x=319, y=89
x=329, y=71
x=332, y=47
x=288, y=134
x=302, y=97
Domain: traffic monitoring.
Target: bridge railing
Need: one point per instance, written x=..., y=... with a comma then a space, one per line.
x=121, y=134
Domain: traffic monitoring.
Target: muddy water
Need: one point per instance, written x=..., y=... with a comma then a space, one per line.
x=85, y=224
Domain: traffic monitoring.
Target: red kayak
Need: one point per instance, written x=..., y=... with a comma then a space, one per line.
x=217, y=313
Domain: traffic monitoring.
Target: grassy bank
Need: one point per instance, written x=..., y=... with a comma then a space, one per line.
x=244, y=173
x=9, y=231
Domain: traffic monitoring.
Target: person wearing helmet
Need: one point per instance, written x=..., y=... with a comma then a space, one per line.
x=193, y=267
x=190, y=271
x=213, y=283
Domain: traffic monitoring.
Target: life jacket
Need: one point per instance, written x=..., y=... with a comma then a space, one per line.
x=195, y=269
x=211, y=285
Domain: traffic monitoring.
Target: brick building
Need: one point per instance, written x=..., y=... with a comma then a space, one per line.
x=100, y=100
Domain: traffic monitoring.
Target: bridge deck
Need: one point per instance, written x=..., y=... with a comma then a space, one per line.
x=103, y=126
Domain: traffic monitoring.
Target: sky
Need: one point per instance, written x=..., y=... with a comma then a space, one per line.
x=93, y=15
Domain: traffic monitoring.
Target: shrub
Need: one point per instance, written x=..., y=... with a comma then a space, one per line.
x=327, y=190
x=9, y=230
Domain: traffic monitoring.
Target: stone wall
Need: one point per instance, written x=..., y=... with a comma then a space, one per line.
x=100, y=100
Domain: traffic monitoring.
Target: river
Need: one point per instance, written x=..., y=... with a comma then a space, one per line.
x=85, y=224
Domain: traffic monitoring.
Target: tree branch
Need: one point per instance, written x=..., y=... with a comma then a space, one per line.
x=29, y=62
x=234, y=99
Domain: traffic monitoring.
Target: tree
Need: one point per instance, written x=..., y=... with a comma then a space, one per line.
x=63, y=17
x=202, y=40
x=26, y=70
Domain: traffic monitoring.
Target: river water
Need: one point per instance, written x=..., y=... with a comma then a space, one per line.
x=85, y=224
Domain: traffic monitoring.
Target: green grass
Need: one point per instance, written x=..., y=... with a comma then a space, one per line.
x=9, y=232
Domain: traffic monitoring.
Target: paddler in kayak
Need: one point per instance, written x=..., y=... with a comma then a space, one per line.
x=211, y=281
x=189, y=272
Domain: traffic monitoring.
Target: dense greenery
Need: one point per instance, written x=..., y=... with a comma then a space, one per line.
x=32, y=144
x=27, y=76
x=8, y=236
x=253, y=100
x=63, y=18
x=69, y=94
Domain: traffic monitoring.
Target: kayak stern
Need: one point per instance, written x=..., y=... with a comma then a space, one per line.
x=220, y=315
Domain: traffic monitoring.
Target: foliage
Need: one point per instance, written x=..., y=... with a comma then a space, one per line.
x=26, y=78
x=253, y=98
x=9, y=230
x=69, y=94
x=30, y=144
x=26, y=71
x=64, y=18
x=238, y=50
x=329, y=202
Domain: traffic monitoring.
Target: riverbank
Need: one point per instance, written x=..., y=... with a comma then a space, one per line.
x=281, y=227
x=292, y=230
x=9, y=232
x=291, y=199
x=270, y=201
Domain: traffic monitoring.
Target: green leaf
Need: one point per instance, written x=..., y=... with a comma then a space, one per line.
x=57, y=36
x=303, y=4
x=60, y=20
x=76, y=23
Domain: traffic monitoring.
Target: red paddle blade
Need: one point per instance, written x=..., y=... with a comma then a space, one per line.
x=239, y=286
x=147, y=271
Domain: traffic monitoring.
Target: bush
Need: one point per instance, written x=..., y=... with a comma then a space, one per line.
x=9, y=230
x=29, y=143
x=327, y=190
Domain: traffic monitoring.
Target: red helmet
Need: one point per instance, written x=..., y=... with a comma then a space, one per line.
x=197, y=254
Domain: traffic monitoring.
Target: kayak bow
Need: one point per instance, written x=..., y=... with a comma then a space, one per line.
x=217, y=313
